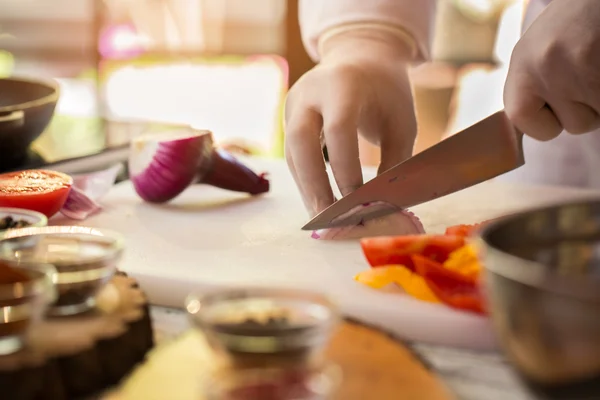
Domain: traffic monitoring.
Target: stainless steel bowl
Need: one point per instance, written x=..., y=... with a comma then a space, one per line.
x=543, y=286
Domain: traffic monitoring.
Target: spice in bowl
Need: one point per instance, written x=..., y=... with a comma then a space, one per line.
x=256, y=328
x=85, y=259
x=24, y=295
x=9, y=222
x=15, y=218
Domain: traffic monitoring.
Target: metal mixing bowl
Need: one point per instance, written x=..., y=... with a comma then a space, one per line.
x=542, y=282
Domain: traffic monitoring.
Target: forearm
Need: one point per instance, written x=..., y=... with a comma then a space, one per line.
x=405, y=24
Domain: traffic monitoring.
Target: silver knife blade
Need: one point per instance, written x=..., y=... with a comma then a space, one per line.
x=481, y=152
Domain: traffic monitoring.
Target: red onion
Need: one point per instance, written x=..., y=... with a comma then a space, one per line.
x=402, y=222
x=161, y=166
x=87, y=189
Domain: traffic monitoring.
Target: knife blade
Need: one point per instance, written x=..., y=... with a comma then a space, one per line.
x=489, y=148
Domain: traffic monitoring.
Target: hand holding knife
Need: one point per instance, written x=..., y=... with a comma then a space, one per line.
x=481, y=152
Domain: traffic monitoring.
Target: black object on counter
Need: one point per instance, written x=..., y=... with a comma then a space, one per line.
x=26, y=108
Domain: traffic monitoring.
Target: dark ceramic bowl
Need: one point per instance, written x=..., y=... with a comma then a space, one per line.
x=26, y=108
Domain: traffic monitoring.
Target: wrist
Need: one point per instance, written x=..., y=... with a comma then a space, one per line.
x=364, y=40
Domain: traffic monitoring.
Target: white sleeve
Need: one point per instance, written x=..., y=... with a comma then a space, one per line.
x=412, y=19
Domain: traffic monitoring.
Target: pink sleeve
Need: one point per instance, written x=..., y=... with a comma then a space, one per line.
x=413, y=16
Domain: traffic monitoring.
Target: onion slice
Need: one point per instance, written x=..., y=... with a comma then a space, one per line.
x=87, y=189
x=402, y=222
x=163, y=165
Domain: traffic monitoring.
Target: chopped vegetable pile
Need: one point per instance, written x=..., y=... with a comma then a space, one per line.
x=434, y=268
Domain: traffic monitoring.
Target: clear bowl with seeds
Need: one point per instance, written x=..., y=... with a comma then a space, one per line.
x=85, y=259
x=15, y=218
x=258, y=327
x=25, y=293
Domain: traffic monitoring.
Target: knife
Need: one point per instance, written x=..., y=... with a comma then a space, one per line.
x=481, y=152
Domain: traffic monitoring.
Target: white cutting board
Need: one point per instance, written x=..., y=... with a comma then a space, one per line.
x=208, y=237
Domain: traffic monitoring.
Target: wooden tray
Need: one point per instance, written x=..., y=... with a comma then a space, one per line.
x=72, y=357
x=375, y=366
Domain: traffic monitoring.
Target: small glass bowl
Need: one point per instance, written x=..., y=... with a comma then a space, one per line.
x=265, y=326
x=85, y=260
x=33, y=218
x=317, y=382
x=25, y=293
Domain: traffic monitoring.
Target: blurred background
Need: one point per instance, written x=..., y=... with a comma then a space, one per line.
x=225, y=65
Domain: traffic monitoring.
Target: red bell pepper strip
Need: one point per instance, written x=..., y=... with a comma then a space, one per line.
x=465, y=230
x=450, y=287
x=463, y=297
x=461, y=230
x=427, y=267
x=398, y=250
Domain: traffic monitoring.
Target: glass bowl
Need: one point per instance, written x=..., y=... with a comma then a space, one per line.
x=25, y=293
x=261, y=327
x=85, y=260
x=32, y=218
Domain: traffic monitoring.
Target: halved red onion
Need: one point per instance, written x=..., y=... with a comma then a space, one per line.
x=162, y=165
x=402, y=222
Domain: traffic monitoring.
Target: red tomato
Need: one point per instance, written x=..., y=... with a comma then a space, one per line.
x=38, y=190
x=397, y=250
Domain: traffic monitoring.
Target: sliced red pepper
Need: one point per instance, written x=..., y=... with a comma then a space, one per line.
x=427, y=267
x=463, y=297
x=465, y=230
x=397, y=250
x=461, y=230
x=454, y=289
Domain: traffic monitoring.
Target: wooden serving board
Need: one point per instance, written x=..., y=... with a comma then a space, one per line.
x=374, y=366
x=82, y=355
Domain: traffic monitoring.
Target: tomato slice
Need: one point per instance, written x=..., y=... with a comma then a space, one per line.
x=389, y=250
x=36, y=189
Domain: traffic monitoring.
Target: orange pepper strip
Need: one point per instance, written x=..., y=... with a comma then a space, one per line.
x=413, y=284
x=464, y=261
